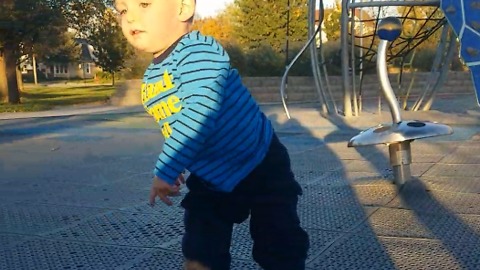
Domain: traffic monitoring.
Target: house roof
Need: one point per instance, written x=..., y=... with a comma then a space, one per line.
x=86, y=50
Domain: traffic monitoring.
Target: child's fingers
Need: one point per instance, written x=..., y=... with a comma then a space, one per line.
x=163, y=194
x=174, y=190
x=152, y=196
x=165, y=199
x=181, y=178
x=174, y=193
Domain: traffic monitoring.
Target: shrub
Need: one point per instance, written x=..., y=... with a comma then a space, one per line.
x=28, y=78
x=264, y=61
x=135, y=66
x=105, y=77
x=237, y=57
x=424, y=57
x=333, y=59
x=303, y=66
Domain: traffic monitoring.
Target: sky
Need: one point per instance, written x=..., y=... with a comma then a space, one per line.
x=208, y=8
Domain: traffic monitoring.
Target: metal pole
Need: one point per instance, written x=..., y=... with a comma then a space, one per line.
x=322, y=61
x=385, y=82
x=347, y=100
x=287, y=34
x=353, y=70
x=314, y=57
x=400, y=159
x=361, y=61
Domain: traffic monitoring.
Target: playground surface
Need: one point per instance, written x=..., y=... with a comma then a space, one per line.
x=74, y=187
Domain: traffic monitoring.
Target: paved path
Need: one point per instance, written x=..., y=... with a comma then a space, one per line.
x=74, y=187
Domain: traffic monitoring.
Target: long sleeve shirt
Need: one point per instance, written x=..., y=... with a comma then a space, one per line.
x=211, y=124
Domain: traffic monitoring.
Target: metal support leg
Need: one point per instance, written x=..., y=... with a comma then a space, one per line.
x=400, y=159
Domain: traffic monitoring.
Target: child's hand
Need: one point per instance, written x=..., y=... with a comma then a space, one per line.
x=163, y=190
x=180, y=180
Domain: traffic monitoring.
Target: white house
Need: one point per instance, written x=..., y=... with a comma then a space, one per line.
x=85, y=68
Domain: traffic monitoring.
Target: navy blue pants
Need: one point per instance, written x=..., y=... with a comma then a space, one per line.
x=269, y=194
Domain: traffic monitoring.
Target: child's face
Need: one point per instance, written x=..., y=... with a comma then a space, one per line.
x=151, y=25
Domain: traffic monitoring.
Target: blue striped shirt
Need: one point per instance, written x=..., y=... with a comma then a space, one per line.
x=211, y=124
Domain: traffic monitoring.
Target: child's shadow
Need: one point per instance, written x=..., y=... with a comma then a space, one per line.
x=330, y=209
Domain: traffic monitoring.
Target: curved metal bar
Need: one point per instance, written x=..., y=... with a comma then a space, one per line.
x=282, y=93
x=394, y=3
x=434, y=70
x=443, y=72
x=385, y=82
x=287, y=69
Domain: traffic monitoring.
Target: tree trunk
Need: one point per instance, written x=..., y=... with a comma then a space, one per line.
x=35, y=79
x=113, y=78
x=11, y=73
x=3, y=78
x=19, y=79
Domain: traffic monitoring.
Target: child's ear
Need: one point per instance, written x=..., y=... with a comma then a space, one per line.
x=187, y=10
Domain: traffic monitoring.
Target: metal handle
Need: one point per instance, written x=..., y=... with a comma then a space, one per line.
x=385, y=82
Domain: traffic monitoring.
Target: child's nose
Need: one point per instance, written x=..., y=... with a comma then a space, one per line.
x=131, y=16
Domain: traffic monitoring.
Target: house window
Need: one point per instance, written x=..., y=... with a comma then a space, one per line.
x=57, y=69
x=87, y=68
x=65, y=69
x=51, y=69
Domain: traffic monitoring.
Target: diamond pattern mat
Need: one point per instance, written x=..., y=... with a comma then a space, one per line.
x=38, y=253
x=371, y=252
x=89, y=210
x=126, y=229
x=38, y=219
x=414, y=195
x=452, y=229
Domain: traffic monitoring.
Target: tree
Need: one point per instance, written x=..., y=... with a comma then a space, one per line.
x=259, y=23
x=21, y=23
x=420, y=23
x=26, y=23
x=111, y=48
x=220, y=27
x=332, y=23
x=84, y=15
x=62, y=49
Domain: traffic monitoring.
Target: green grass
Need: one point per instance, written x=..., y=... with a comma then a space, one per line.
x=39, y=98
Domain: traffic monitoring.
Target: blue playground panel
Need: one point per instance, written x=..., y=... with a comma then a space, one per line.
x=464, y=17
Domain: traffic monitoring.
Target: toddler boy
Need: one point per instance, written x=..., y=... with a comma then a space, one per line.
x=214, y=129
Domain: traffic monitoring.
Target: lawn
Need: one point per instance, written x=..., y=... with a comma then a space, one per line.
x=40, y=98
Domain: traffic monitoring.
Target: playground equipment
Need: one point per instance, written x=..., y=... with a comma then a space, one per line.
x=399, y=135
x=359, y=22
x=464, y=17
x=320, y=76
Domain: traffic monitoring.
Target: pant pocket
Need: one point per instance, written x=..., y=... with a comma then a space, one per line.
x=232, y=209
